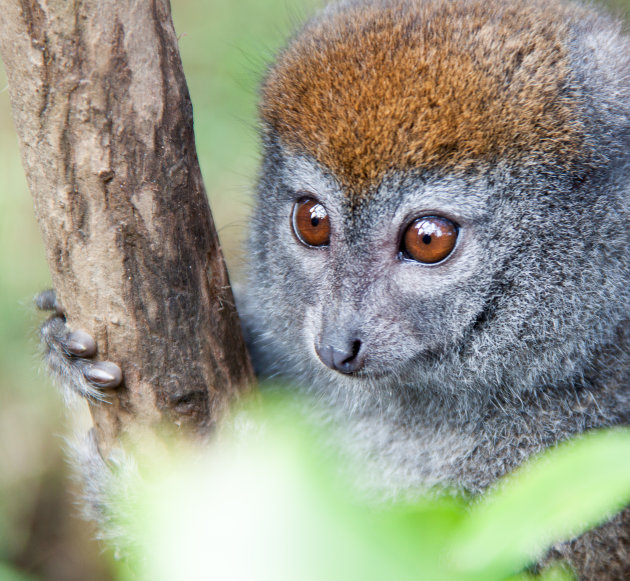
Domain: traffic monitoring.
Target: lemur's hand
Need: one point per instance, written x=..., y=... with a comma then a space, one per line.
x=68, y=354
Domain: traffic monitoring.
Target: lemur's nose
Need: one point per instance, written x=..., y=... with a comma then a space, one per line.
x=346, y=358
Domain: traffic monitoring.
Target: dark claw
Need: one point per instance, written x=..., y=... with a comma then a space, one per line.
x=103, y=374
x=80, y=344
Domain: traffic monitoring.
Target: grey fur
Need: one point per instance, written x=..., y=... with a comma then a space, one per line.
x=109, y=491
x=69, y=372
x=518, y=341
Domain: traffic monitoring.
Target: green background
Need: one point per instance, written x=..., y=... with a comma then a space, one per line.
x=224, y=45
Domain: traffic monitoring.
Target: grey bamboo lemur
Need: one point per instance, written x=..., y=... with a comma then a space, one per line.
x=440, y=243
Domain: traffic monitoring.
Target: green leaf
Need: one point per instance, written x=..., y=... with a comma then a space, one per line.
x=561, y=494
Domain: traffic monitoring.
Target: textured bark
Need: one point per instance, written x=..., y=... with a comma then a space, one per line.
x=104, y=122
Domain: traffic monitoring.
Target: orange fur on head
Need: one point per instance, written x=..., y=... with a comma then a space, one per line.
x=403, y=84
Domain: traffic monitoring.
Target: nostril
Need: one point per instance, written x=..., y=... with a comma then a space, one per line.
x=356, y=347
x=346, y=360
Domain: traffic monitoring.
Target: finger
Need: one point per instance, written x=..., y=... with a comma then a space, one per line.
x=47, y=301
x=80, y=344
x=103, y=374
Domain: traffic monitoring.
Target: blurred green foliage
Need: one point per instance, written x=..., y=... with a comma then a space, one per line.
x=271, y=503
x=224, y=46
x=8, y=573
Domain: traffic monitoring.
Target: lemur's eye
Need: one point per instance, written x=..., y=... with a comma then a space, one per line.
x=429, y=239
x=311, y=223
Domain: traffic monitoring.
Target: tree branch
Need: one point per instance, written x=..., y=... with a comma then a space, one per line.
x=104, y=122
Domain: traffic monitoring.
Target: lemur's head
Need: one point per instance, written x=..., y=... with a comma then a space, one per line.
x=443, y=199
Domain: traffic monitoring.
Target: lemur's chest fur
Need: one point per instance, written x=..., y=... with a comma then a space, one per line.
x=414, y=443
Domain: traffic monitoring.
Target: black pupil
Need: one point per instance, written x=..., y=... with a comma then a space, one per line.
x=314, y=221
x=426, y=239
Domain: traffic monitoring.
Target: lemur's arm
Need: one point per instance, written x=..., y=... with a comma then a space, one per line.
x=69, y=354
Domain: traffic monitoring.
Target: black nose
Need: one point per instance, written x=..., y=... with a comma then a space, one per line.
x=346, y=359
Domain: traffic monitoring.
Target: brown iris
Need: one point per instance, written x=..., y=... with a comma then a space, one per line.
x=429, y=239
x=311, y=223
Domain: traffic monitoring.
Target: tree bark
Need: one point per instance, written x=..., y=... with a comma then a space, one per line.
x=104, y=122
